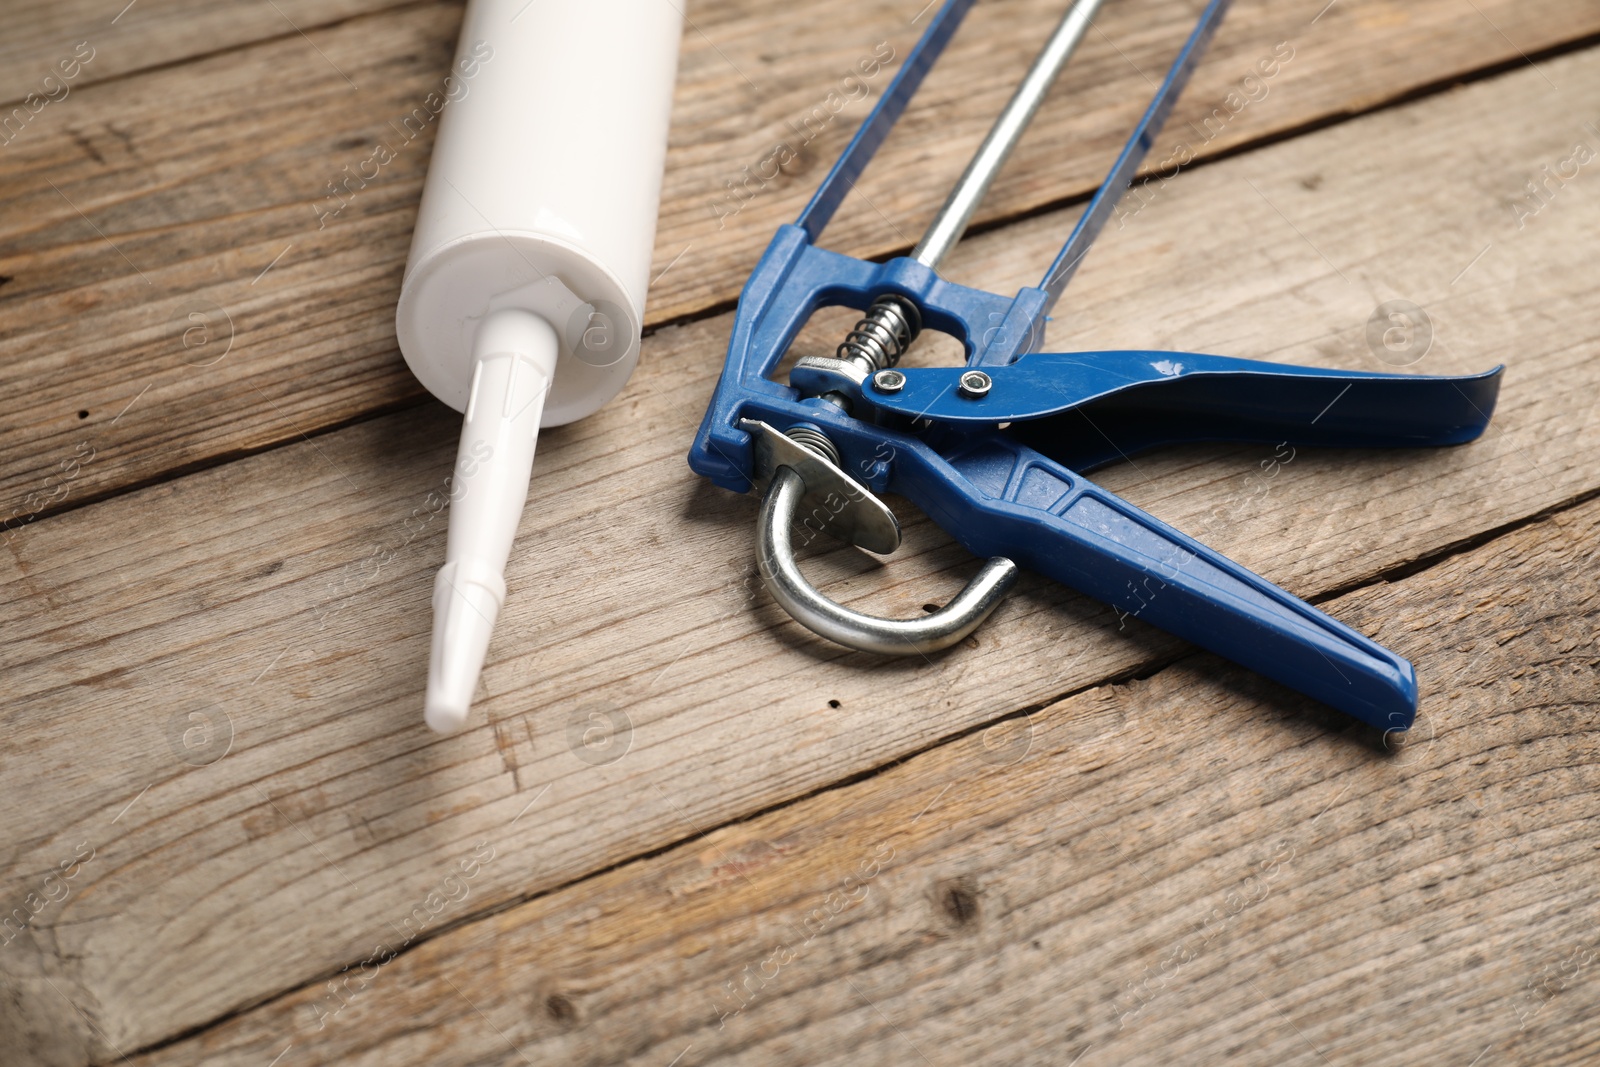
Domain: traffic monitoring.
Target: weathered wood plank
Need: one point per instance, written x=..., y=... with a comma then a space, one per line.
x=1194, y=868
x=295, y=614
x=125, y=38
x=130, y=207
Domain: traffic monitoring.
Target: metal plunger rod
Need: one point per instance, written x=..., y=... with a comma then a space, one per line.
x=951, y=222
x=892, y=323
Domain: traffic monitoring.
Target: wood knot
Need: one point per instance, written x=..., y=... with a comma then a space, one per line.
x=561, y=1009
x=802, y=162
x=957, y=898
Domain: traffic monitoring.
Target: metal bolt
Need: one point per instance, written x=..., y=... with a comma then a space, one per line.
x=975, y=384
x=888, y=381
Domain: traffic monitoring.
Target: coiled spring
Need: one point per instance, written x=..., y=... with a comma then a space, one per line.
x=882, y=336
x=814, y=439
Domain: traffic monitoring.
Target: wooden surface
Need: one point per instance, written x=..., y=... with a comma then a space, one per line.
x=1076, y=882
x=244, y=547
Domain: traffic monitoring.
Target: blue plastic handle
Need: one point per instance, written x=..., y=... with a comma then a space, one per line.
x=1086, y=409
x=1001, y=498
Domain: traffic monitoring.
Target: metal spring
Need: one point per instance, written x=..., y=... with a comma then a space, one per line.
x=813, y=439
x=882, y=336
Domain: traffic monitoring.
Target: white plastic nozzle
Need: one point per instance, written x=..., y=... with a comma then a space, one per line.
x=514, y=360
x=523, y=296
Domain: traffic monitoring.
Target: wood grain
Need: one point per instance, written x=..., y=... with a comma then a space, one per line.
x=202, y=189
x=276, y=608
x=1198, y=867
x=128, y=38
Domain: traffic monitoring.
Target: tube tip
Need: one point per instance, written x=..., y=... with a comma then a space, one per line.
x=515, y=354
x=444, y=716
x=464, y=611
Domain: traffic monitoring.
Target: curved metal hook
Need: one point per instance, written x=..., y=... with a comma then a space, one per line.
x=853, y=629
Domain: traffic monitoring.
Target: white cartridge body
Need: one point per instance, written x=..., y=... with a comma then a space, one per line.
x=529, y=265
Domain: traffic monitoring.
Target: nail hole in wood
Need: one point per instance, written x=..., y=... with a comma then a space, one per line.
x=958, y=899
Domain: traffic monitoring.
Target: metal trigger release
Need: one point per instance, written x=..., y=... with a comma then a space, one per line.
x=800, y=469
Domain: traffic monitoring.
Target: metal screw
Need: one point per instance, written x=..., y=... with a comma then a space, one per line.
x=888, y=381
x=975, y=384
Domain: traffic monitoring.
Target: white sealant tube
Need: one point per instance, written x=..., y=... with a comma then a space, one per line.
x=524, y=293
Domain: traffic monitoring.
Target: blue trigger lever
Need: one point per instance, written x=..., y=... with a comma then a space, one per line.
x=995, y=451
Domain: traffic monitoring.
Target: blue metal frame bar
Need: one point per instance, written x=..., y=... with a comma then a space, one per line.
x=1096, y=215
x=842, y=178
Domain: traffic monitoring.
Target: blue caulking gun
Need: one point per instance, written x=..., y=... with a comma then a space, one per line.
x=995, y=452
